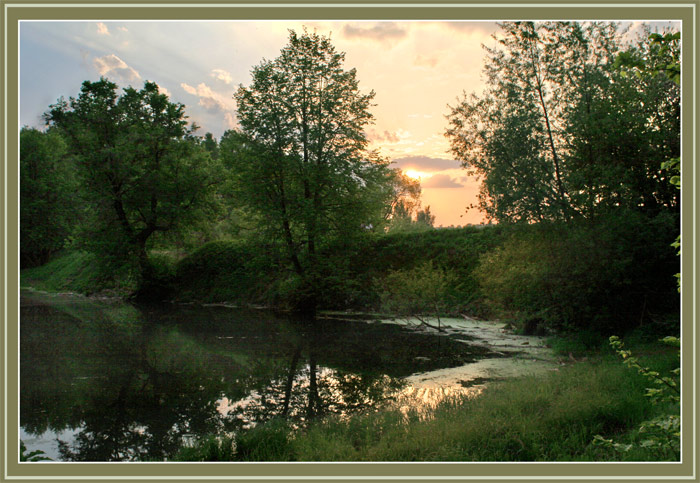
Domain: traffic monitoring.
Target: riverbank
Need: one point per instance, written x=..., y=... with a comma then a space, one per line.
x=534, y=403
x=553, y=416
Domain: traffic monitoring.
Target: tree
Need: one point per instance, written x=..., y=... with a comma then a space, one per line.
x=142, y=169
x=661, y=435
x=301, y=158
x=425, y=218
x=405, y=197
x=559, y=132
x=417, y=293
x=48, y=203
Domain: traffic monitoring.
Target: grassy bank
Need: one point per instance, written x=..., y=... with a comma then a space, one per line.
x=73, y=271
x=547, y=418
x=234, y=272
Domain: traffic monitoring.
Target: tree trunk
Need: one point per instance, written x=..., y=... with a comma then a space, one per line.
x=290, y=380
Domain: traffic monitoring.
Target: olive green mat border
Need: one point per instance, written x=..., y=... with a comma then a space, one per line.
x=14, y=12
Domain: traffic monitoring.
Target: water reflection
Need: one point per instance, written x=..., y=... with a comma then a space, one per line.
x=134, y=383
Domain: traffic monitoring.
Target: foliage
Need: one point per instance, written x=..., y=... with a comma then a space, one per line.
x=300, y=159
x=405, y=203
x=418, y=292
x=48, y=202
x=74, y=271
x=211, y=448
x=560, y=132
x=141, y=169
x=604, y=275
x=667, y=61
x=660, y=435
x=33, y=456
x=405, y=197
x=402, y=221
x=266, y=442
x=255, y=272
x=227, y=271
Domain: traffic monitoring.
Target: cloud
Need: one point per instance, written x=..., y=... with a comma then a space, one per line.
x=163, y=90
x=379, y=31
x=208, y=99
x=102, y=29
x=222, y=75
x=386, y=136
x=229, y=121
x=425, y=60
x=440, y=181
x=472, y=27
x=425, y=164
x=123, y=29
x=112, y=66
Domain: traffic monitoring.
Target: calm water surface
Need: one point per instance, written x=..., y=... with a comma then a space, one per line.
x=110, y=381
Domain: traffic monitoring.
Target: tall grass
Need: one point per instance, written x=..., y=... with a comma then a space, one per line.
x=552, y=418
x=535, y=418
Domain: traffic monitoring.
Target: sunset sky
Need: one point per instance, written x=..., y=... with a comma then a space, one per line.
x=416, y=69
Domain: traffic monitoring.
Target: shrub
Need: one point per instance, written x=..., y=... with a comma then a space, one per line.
x=228, y=271
x=660, y=436
x=602, y=274
x=211, y=448
x=423, y=290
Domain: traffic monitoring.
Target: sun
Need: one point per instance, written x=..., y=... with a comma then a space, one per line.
x=412, y=173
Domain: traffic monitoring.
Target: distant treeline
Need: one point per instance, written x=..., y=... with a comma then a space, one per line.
x=608, y=276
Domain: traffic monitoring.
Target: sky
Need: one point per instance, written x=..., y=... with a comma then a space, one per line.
x=417, y=70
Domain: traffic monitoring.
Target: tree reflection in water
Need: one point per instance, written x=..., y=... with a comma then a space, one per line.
x=138, y=383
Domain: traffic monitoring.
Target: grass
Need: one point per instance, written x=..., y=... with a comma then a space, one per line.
x=73, y=271
x=545, y=418
x=551, y=418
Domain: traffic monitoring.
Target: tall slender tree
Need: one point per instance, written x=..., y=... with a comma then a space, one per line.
x=48, y=201
x=301, y=157
x=559, y=131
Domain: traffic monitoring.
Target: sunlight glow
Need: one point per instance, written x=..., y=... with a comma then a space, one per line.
x=411, y=173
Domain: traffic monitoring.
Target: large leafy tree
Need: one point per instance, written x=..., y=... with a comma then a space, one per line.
x=142, y=169
x=301, y=157
x=559, y=132
x=48, y=201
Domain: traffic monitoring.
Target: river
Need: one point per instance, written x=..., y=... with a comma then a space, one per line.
x=105, y=380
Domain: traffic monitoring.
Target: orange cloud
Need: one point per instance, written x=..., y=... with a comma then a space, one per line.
x=441, y=181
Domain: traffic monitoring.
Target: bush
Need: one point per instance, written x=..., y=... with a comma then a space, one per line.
x=660, y=436
x=233, y=271
x=608, y=274
x=75, y=271
x=227, y=271
x=350, y=270
x=211, y=448
x=422, y=291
